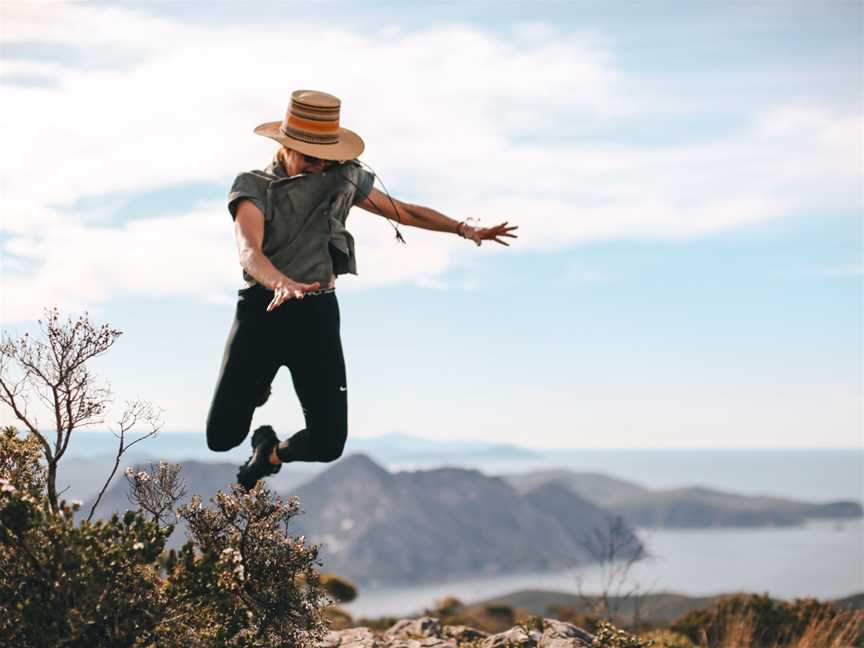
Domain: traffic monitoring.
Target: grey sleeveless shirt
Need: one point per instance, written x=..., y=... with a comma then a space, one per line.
x=304, y=217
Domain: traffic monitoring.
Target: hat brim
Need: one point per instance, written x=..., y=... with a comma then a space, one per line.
x=350, y=144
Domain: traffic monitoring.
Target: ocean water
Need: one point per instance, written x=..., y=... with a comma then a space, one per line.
x=823, y=559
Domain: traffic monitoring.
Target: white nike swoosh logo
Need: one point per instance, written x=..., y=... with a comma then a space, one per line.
x=343, y=389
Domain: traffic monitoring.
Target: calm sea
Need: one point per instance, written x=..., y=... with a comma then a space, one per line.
x=824, y=559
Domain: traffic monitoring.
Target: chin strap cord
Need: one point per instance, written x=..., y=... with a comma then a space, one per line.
x=387, y=193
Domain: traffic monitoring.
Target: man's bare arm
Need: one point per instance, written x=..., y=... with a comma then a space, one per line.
x=419, y=216
x=377, y=202
x=249, y=233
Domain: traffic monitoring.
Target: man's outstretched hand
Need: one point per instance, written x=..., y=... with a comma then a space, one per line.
x=480, y=234
x=289, y=289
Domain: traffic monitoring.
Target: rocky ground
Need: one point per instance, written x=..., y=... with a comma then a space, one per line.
x=428, y=632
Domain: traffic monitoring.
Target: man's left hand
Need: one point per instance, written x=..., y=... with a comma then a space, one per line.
x=480, y=234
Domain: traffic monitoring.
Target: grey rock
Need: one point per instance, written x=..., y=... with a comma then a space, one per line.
x=572, y=642
x=351, y=638
x=512, y=638
x=428, y=632
x=554, y=630
x=463, y=633
x=415, y=628
x=331, y=640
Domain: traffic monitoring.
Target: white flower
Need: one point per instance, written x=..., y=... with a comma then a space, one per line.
x=130, y=471
x=8, y=488
x=138, y=545
x=143, y=476
x=77, y=503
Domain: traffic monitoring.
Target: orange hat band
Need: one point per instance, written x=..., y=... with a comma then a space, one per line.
x=315, y=127
x=306, y=136
x=324, y=127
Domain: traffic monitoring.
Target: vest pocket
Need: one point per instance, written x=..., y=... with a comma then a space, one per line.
x=341, y=247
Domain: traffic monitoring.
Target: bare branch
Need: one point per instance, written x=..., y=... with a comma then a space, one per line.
x=9, y=391
x=616, y=547
x=54, y=370
x=136, y=411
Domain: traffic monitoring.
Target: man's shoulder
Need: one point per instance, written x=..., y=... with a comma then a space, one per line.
x=258, y=178
x=354, y=167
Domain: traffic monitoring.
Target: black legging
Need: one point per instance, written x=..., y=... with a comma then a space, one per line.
x=301, y=334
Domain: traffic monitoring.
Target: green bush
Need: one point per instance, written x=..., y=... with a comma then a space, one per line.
x=241, y=580
x=667, y=639
x=769, y=622
x=341, y=589
x=85, y=585
x=608, y=636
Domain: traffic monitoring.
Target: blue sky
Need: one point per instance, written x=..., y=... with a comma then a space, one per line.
x=686, y=181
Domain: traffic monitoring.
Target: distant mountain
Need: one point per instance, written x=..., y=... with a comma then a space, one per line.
x=597, y=487
x=383, y=529
x=579, y=515
x=409, y=527
x=692, y=507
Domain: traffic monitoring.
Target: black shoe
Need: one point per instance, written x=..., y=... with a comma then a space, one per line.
x=258, y=465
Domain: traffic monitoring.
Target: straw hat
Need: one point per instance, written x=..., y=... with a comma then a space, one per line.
x=311, y=126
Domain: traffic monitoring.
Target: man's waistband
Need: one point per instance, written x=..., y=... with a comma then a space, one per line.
x=258, y=286
x=320, y=291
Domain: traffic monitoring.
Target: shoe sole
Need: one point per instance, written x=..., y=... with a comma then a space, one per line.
x=263, y=433
x=260, y=436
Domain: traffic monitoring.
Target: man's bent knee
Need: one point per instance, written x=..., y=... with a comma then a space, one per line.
x=219, y=441
x=220, y=446
x=329, y=453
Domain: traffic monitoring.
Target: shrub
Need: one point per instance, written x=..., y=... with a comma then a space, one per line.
x=341, y=589
x=608, y=636
x=667, y=639
x=503, y=612
x=758, y=620
x=240, y=581
x=446, y=606
x=269, y=592
x=87, y=585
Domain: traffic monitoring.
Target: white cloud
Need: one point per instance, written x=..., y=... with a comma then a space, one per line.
x=79, y=266
x=448, y=115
